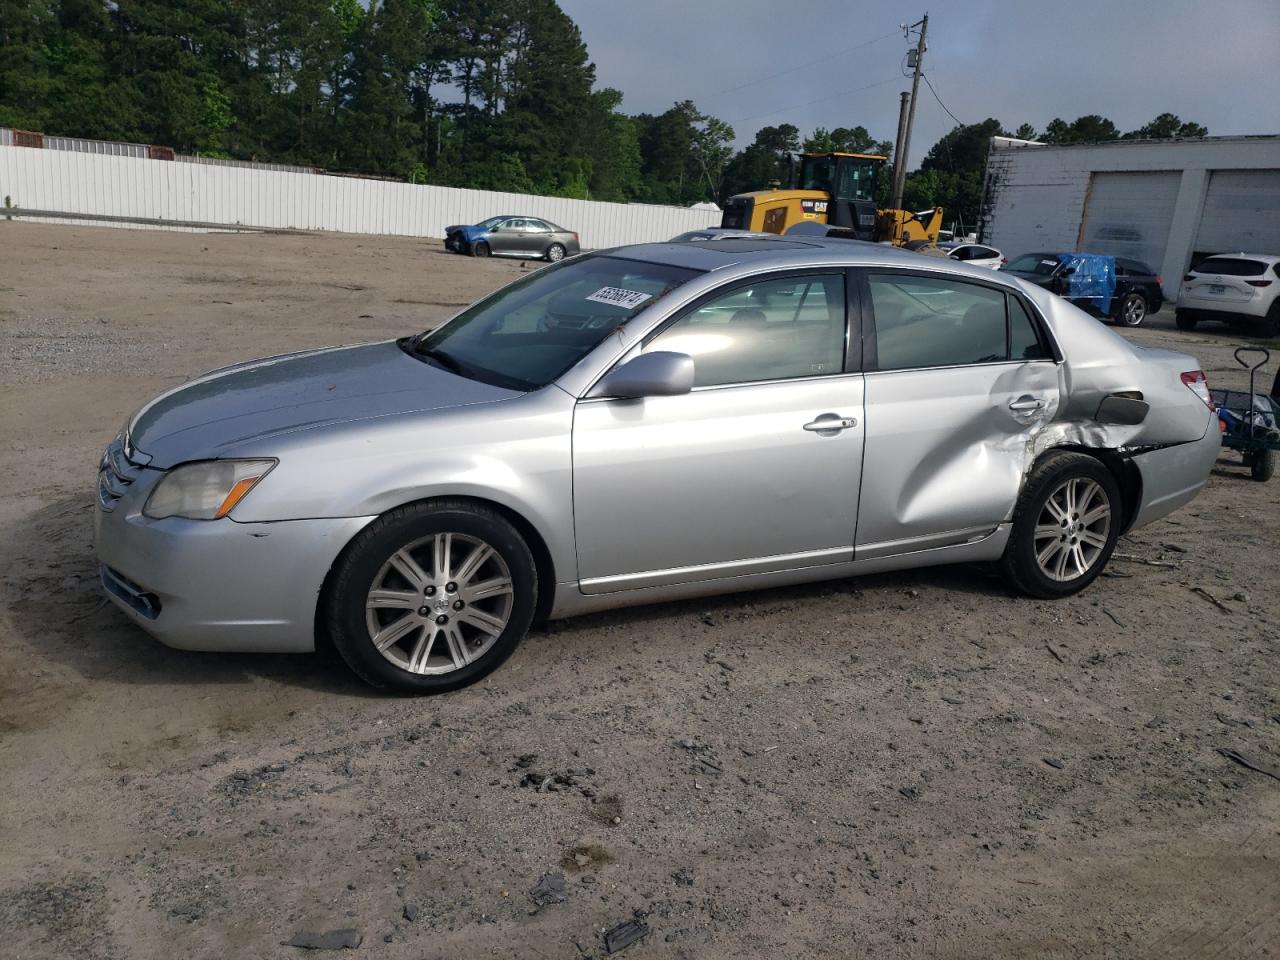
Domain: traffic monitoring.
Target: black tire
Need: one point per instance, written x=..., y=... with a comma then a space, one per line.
x=343, y=604
x=1132, y=310
x=1019, y=564
x=1185, y=320
x=555, y=253
x=1262, y=465
x=1269, y=326
x=480, y=249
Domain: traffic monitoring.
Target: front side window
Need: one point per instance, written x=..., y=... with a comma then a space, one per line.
x=772, y=330
x=817, y=173
x=527, y=334
x=939, y=322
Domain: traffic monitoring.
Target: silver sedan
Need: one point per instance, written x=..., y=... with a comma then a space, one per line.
x=646, y=423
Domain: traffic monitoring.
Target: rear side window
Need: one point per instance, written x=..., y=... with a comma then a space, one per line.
x=934, y=322
x=1024, y=342
x=1232, y=267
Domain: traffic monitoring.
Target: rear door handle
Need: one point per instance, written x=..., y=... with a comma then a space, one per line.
x=1026, y=404
x=830, y=423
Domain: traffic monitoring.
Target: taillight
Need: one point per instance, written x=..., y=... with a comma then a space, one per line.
x=1003, y=261
x=1258, y=283
x=1195, y=381
x=1159, y=281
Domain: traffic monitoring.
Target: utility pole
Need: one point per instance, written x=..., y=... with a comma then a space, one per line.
x=895, y=189
x=904, y=141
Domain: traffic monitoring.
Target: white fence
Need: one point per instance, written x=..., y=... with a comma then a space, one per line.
x=87, y=184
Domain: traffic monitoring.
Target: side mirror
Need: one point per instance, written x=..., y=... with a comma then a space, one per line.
x=658, y=374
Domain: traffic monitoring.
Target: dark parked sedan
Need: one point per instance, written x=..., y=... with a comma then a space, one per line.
x=1118, y=288
x=512, y=236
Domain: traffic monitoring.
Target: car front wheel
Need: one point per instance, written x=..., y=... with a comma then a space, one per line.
x=1133, y=310
x=1064, y=526
x=480, y=249
x=431, y=597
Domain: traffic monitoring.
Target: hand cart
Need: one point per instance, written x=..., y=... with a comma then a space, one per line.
x=1251, y=421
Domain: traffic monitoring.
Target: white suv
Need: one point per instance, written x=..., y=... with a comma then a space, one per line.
x=1239, y=289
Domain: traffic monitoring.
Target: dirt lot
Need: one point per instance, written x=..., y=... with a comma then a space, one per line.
x=906, y=765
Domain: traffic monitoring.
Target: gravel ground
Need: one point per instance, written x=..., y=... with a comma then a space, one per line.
x=916, y=764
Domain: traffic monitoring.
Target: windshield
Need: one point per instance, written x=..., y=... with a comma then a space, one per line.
x=491, y=222
x=529, y=333
x=1041, y=263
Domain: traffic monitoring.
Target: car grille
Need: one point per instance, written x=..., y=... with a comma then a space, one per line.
x=115, y=474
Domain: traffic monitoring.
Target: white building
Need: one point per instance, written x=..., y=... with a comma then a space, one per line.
x=1167, y=202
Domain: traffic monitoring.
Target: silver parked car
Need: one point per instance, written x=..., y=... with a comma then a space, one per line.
x=651, y=422
x=510, y=236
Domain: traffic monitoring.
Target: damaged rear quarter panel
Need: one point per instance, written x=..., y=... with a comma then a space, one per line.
x=944, y=453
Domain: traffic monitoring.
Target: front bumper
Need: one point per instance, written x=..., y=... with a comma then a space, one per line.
x=218, y=584
x=1174, y=476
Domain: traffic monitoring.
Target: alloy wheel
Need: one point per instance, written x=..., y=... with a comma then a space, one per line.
x=1072, y=529
x=1135, y=310
x=439, y=603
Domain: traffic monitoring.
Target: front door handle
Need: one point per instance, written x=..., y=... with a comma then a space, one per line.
x=1026, y=404
x=830, y=423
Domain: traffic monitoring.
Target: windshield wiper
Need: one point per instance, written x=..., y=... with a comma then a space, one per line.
x=413, y=347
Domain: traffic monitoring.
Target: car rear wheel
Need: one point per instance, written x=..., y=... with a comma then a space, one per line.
x=1262, y=465
x=555, y=252
x=1269, y=326
x=480, y=249
x=1184, y=320
x=431, y=597
x=1133, y=309
x=1064, y=526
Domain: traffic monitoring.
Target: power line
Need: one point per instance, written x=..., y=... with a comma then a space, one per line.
x=808, y=103
x=939, y=99
x=804, y=66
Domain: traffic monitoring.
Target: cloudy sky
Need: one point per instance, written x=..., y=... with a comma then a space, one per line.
x=1017, y=60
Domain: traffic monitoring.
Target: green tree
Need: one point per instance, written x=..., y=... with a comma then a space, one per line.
x=846, y=140
x=762, y=162
x=1025, y=132
x=1167, y=126
x=382, y=130
x=611, y=141
x=1090, y=128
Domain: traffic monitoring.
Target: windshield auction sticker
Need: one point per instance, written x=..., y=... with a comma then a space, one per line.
x=617, y=297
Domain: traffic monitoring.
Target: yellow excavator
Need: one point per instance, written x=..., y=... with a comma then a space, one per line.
x=837, y=189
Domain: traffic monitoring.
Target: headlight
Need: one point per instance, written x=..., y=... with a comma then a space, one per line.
x=205, y=491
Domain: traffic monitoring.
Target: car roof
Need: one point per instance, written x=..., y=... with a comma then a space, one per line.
x=1268, y=257
x=773, y=253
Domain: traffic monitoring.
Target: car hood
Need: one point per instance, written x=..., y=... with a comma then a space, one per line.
x=466, y=229
x=212, y=414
